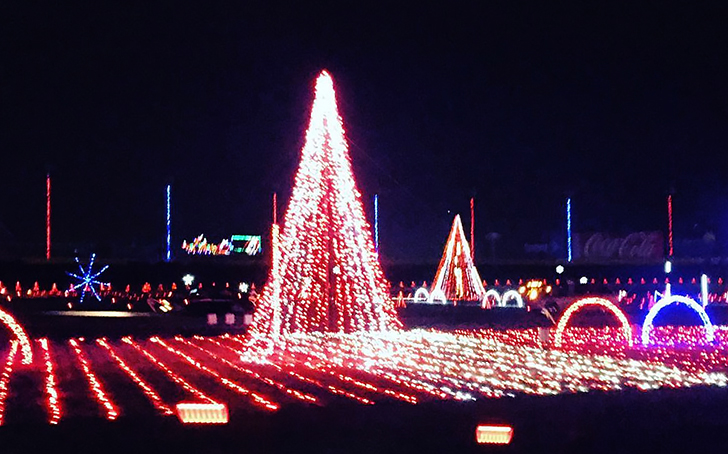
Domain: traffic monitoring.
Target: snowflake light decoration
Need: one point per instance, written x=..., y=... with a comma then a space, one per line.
x=87, y=278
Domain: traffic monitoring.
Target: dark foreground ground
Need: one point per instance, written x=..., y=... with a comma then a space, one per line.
x=662, y=421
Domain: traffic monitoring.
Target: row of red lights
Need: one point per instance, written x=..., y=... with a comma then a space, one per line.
x=169, y=372
x=112, y=411
x=5, y=378
x=258, y=399
x=305, y=397
x=53, y=402
x=151, y=394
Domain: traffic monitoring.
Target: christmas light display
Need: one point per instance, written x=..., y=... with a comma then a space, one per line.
x=456, y=275
x=421, y=294
x=258, y=399
x=511, y=295
x=568, y=230
x=673, y=299
x=472, y=228
x=437, y=295
x=169, y=223
x=151, y=394
x=87, y=279
x=412, y=366
x=112, y=411
x=169, y=372
x=53, y=402
x=592, y=302
x=669, y=225
x=376, y=222
x=200, y=246
x=5, y=378
x=704, y=290
x=48, y=216
x=20, y=336
x=327, y=277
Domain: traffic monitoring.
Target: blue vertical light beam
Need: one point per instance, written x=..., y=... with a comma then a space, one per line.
x=376, y=222
x=169, y=223
x=568, y=229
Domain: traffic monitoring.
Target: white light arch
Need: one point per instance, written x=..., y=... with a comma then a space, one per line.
x=491, y=293
x=437, y=294
x=421, y=295
x=509, y=295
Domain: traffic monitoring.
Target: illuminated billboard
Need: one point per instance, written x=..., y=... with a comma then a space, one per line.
x=237, y=244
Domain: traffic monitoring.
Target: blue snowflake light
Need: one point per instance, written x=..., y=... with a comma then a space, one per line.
x=87, y=278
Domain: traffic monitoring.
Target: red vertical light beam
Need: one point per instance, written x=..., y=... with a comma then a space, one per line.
x=472, y=228
x=669, y=223
x=275, y=208
x=48, y=216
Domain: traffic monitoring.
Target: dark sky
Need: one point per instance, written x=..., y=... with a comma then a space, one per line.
x=515, y=104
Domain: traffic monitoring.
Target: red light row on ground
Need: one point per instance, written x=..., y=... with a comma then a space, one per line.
x=53, y=403
x=151, y=394
x=112, y=411
x=290, y=391
x=258, y=399
x=5, y=378
x=169, y=372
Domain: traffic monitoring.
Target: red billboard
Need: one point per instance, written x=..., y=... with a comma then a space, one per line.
x=602, y=247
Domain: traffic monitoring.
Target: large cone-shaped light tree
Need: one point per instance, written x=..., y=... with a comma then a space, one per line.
x=325, y=276
x=456, y=277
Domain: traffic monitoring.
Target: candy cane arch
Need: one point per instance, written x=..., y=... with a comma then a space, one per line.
x=584, y=302
x=647, y=326
x=20, y=336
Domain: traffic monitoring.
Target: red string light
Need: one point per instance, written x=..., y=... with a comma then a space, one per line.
x=151, y=394
x=53, y=402
x=112, y=411
x=456, y=277
x=258, y=399
x=5, y=378
x=329, y=278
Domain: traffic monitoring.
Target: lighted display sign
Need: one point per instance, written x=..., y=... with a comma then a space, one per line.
x=237, y=244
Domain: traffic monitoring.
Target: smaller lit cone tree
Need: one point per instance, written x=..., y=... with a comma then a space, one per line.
x=456, y=277
x=325, y=275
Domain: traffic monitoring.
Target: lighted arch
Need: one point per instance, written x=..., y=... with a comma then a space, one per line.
x=437, y=294
x=20, y=336
x=510, y=295
x=592, y=301
x=491, y=293
x=421, y=295
x=647, y=325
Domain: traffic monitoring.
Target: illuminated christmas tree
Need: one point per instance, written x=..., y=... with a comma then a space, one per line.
x=456, y=277
x=325, y=275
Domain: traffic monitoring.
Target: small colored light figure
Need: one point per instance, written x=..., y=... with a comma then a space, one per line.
x=676, y=299
x=87, y=278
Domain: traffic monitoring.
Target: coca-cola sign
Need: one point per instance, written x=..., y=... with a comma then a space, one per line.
x=635, y=247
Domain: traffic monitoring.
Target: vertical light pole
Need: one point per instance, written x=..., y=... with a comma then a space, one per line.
x=568, y=230
x=169, y=223
x=48, y=216
x=472, y=228
x=669, y=225
x=376, y=222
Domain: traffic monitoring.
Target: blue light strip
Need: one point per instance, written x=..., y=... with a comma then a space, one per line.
x=376, y=222
x=568, y=229
x=169, y=224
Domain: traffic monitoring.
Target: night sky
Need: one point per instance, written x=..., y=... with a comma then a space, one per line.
x=516, y=105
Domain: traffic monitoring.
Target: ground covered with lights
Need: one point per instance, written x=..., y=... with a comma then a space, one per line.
x=129, y=378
